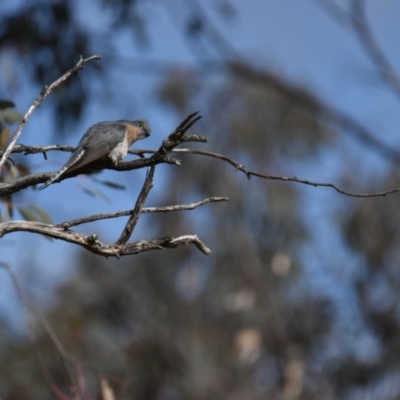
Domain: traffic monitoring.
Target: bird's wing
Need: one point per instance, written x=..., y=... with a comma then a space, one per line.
x=98, y=141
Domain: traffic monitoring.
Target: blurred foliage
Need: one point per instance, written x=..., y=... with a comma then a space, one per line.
x=244, y=323
x=53, y=32
x=370, y=228
x=49, y=36
x=49, y=31
x=8, y=116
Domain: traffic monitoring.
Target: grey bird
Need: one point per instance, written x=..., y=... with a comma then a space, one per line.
x=105, y=139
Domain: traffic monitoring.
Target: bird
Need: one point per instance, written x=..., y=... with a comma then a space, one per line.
x=105, y=139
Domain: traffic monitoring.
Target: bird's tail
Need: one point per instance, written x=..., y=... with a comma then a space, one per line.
x=53, y=178
x=69, y=166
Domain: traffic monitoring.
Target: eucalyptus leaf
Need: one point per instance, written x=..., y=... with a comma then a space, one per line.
x=27, y=214
x=44, y=216
x=6, y=104
x=111, y=184
x=92, y=191
x=11, y=116
x=4, y=136
x=10, y=208
x=35, y=213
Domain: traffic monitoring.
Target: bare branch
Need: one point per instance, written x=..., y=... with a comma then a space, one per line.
x=189, y=239
x=249, y=173
x=21, y=148
x=97, y=217
x=160, y=156
x=367, y=39
x=134, y=218
x=91, y=242
x=44, y=93
x=176, y=137
x=29, y=180
x=33, y=179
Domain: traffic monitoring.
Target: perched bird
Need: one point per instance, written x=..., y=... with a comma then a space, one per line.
x=111, y=138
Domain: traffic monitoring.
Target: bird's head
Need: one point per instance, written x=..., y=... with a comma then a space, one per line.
x=143, y=128
x=136, y=130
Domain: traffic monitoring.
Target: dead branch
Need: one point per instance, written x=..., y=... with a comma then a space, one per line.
x=249, y=173
x=160, y=156
x=91, y=242
x=21, y=183
x=43, y=94
x=134, y=218
x=97, y=217
x=120, y=248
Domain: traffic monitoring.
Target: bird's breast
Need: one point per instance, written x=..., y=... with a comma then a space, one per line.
x=119, y=151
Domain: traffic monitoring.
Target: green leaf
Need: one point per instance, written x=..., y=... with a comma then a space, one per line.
x=4, y=136
x=44, y=216
x=111, y=184
x=95, y=193
x=27, y=214
x=92, y=191
x=35, y=213
x=10, y=208
x=11, y=116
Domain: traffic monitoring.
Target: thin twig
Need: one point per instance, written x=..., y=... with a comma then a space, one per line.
x=160, y=156
x=44, y=93
x=181, y=207
x=21, y=148
x=134, y=218
x=35, y=310
x=367, y=39
x=190, y=239
x=249, y=173
x=23, y=182
x=31, y=308
x=176, y=137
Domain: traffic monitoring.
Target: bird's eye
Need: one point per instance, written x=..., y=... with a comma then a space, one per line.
x=140, y=124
